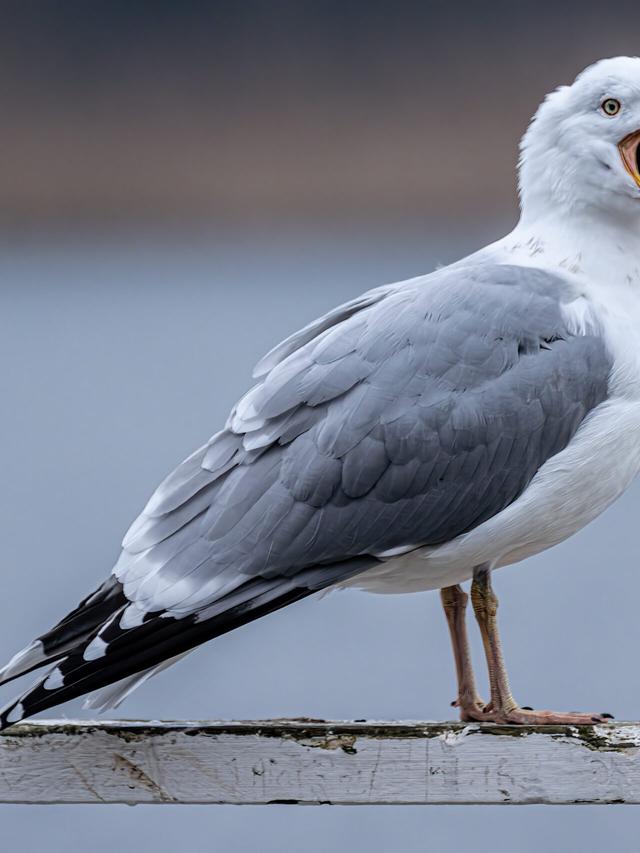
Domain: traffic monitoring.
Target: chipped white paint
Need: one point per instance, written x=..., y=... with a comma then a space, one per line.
x=299, y=761
x=610, y=734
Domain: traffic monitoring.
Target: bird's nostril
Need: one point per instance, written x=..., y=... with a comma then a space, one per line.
x=637, y=158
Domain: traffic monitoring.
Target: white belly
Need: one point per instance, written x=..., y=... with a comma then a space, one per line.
x=568, y=492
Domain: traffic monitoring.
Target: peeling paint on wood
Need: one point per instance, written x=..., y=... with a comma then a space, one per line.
x=318, y=762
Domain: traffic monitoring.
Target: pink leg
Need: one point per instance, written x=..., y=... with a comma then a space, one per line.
x=503, y=708
x=454, y=602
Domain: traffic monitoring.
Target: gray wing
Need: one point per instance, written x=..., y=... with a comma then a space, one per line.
x=406, y=418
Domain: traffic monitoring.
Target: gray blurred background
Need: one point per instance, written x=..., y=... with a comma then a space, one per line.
x=181, y=185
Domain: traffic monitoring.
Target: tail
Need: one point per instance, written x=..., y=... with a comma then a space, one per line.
x=114, y=654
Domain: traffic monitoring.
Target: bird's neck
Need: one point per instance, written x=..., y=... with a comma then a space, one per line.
x=585, y=245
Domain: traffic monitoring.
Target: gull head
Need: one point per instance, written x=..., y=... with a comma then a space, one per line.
x=581, y=152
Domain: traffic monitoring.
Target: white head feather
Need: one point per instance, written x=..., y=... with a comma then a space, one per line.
x=570, y=161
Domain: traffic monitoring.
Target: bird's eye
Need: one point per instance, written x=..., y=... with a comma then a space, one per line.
x=611, y=106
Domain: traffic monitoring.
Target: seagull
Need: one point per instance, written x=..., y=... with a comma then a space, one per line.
x=417, y=437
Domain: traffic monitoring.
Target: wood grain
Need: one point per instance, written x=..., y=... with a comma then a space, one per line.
x=317, y=762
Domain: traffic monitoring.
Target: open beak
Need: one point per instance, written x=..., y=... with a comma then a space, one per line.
x=629, y=152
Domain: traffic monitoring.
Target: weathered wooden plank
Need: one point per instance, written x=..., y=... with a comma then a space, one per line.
x=304, y=761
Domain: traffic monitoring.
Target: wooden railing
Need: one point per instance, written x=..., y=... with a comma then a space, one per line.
x=318, y=762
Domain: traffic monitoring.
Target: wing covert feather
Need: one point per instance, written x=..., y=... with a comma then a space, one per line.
x=406, y=417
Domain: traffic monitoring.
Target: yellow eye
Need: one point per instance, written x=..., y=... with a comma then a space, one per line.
x=611, y=106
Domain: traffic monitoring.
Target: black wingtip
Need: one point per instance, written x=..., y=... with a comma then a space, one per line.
x=133, y=650
x=128, y=651
x=84, y=620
